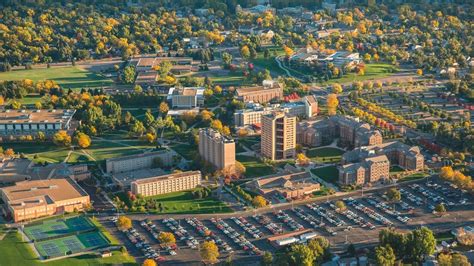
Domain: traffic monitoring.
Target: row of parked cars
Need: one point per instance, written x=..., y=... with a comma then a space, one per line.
x=271, y=226
x=247, y=227
x=353, y=217
x=237, y=238
x=140, y=243
x=285, y=218
x=369, y=212
x=328, y=216
x=208, y=234
x=308, y=218
x=179, y=232
x=430, y=195
x=387, y=209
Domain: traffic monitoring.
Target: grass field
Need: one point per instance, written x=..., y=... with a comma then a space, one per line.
x=102, y=149
x=184, y=202
x=254, y=167
x=328, y=173
x=396, y=169
x=413, y=177
x=67, y=77
x=17, y=252
x=270, y=63
x=44, y=151
x=57, y=227
x=185, y=150
x=372, y=71
x=324, y=155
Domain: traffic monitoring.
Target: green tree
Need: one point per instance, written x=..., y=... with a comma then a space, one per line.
x=384, y=256
x=421, y=242
x=267, y=258
x=394, y=195
x=301, y=255
x=128, y=75
x=440, y=208
x=226, y=59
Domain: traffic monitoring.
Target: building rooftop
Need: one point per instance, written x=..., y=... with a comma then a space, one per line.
x=127, y=177
x=141, y=155
x=40, y=192
x=35, y=116
x=214, y=134
x=164, y=177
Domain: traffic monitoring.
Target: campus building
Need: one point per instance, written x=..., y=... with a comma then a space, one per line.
x=270, y=90
x=28, y=200
x=216, y=148
x=278, y=141
x=138, y=161
x=308, y=56
x=369, y=164
x=163, y=184
x=305, y=107
x=189, y=97
x=286, y=185
x=20, y=169
x=29, y=122
x=350, y=131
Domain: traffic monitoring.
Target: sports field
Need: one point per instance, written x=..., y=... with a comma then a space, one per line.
x=57, y=227
x=67, y=77
x=70, y=244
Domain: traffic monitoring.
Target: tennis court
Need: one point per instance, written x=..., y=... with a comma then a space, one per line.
x=70, y=244
x=57, y=227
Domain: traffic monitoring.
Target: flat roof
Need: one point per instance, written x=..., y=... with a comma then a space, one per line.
x=141, y=155
x=40, y=192
x=168, y=176
x=35, y=116
x=245, y=90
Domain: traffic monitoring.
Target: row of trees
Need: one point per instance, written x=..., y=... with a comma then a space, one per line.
x=457, y=177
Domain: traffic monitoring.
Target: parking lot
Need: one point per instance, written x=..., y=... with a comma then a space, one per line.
x=244, y=238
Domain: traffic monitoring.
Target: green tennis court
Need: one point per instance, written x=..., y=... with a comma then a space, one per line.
x=70, y=244
x=57, y=227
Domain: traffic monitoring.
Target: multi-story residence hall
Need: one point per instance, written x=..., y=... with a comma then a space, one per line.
x=375, y=161
x=350, y=131
x=28, y=200
x=270, y=90
x=138, y=161
x=24, y=122
x=166, y=183
x=216, y=148
x=306, y=107
x=278, y=141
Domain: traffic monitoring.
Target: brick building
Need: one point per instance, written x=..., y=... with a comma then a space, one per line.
x=278, y=141
x=166, y=183
x=216, y=148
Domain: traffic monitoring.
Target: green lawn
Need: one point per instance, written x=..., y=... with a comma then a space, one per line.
x=67, y=77
x=45, y=151
x=372, y=71
x=324, y=191
x=103, y=149
x=184, y=202
x=249, y=141
x=413, y=177
x=270, y=63
x=324, y=155
x=328, y=173
x=396, y=169
x=30, y=99
x=185, y=150
x=254, y=167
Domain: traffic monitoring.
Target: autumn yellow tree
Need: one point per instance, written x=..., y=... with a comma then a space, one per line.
x=288, y=51
x=164, y=108
x=82, y=140
x=209, y=252
x=217, y=125
x=245, y=51
x=206, y=115
x=124, y=223
x=419, y=72
x=336, y=88
x=447, y=172
x=259, y=202
x=61, y=138
x=332, y=104
x=166, y=238
x=149, y=262
x=302, y=159
x=2, y=100
x=9, y=152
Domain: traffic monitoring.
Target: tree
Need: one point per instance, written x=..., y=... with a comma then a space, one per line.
x=394, y=195
x=149, y=262
x=259, y=202
x=128, y=75
x=208, y=93
x=267, y=258
x=384, y=256
x=245, y=52
x=83, y=140
x=166, y=238
x=164, y=108
x=397, y=241
x=206, y=115
x=447, y=172
x=440, y=208
x=61, y=138
x=217, y=125
x=226, y=59
x=9, y=152
x=288, y=51
x=336, y=88
x=209, y=252
x=332, y=104
x=421, y=242
x=340, y=205
x=38, y=105
x=124, y=223
x=302, y=159
x=301, y=255
x=419, y=72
